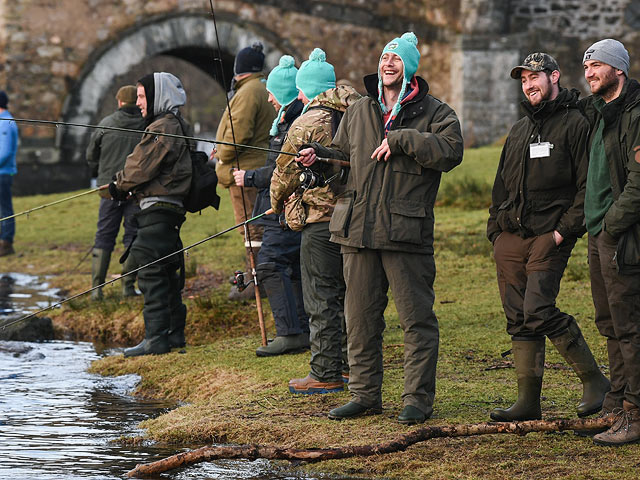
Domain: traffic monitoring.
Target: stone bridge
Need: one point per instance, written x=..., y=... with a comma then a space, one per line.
x=63, y=60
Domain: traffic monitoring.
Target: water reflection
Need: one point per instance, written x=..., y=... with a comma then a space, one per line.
x=21, y=293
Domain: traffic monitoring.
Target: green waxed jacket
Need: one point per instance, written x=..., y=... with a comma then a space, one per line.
x=621, y=135
x=389, y=205
x=252, y=116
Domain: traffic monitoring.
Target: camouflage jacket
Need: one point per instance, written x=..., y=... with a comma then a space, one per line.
x=315, y=125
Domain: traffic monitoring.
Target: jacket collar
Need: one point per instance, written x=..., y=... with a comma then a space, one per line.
x=565, y=99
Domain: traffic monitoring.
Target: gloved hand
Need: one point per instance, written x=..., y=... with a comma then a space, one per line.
x=117, y=194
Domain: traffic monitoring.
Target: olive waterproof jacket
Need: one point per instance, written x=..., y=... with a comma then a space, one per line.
x=621, y=136
x=159, y=165
x=389, y=205
x=252, y=116
x=532, y=196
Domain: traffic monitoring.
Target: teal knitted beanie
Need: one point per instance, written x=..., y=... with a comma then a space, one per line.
x=406, y=48
x=315, y=75
x=282, y=81
x=282, y=85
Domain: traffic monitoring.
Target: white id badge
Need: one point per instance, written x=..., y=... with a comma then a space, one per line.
x=540, y=150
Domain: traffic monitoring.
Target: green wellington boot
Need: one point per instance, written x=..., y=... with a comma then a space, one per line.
x=99, y=265
x=129, y=282
x=411, y=415
x=528, y=357
x=283, y=344
x=352, y=410
x=573, y=347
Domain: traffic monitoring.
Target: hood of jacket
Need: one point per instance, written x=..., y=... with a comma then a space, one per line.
x=169, y=93
x=338, y=98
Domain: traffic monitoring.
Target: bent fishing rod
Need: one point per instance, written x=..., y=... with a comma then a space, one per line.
x=73, y=297
x=332, y=161
x=27, y=212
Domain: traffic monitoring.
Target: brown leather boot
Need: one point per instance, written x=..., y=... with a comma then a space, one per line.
x=309, y=386
x=626, y=428
x=6, y=248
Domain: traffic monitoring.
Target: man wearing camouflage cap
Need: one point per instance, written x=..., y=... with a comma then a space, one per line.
x=535, y=218
x=612, y=214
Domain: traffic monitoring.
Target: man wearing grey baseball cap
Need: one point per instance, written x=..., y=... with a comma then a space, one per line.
x=535, y=218
x=612, y=216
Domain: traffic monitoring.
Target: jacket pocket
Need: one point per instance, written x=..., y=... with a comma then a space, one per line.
x=502, y=217
x=341, y=217
x=405, y=164
x=407, y=220
x=628, y=251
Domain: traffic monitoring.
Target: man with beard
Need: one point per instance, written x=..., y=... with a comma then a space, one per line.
x=535, y=218
x=612, y=214
x=158, y=174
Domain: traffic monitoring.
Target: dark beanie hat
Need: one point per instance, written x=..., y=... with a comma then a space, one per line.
x=4, y=99
x=249, y=60
x=148, y=84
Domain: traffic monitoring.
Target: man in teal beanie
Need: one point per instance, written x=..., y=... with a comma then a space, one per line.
x=308, y=207
x=278, y=267
x=384, y=224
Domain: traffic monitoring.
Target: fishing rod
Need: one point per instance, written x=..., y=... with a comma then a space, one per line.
x=73, y=297
x=247, y=233
x=332, y=161
x=26, y=212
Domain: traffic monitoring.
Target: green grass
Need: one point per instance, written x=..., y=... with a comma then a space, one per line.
x=232, y=396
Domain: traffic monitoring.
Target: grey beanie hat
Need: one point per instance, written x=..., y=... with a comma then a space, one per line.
x=611, y=52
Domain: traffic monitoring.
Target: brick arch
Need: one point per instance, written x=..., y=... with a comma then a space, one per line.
x=175, y=35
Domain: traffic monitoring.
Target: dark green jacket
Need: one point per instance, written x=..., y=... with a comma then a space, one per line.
x=621, y=134
x=389, y=205
x=532, y=196
x=108, y=150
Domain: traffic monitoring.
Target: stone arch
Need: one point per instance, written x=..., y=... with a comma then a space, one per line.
x=186, y=36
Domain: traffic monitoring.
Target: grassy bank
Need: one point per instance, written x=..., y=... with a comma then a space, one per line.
x=232, y=396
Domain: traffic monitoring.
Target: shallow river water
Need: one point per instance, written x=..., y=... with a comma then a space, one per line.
x=58, y=422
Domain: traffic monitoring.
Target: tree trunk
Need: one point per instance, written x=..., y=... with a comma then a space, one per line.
x=400, y=443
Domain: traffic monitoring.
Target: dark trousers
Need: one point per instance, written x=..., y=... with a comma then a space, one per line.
x=161, y=284
x=529, y=274
x=323, y=290
x=368, y=275
x=279, y=274
x=616, y=299
x=7, y=227
x=110, y=216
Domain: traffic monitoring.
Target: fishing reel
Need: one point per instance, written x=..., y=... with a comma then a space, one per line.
x=311, y=179
x=239, y=280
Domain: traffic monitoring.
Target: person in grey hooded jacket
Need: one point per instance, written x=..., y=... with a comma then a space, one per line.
x=158, y=175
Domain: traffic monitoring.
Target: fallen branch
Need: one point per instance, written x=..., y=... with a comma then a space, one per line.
x=400, y=443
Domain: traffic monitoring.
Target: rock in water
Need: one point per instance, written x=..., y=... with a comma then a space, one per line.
x=35, y=329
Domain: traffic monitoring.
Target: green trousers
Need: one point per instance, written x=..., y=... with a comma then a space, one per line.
x=323, y=292
x=368, y=275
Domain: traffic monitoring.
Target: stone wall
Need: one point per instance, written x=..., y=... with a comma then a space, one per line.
x=61, y=59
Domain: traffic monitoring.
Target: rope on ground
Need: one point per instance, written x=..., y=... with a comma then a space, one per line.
x=400, y=443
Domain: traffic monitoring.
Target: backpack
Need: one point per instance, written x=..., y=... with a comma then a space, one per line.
x=202, y=192
x=204, y=180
